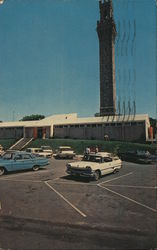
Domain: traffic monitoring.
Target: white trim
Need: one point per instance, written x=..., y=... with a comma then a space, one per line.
x=27, y=143
x=81, y=213
x=16, y=143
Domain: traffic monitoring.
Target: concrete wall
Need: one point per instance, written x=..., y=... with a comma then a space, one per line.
x=130, y=131
x=9, y=133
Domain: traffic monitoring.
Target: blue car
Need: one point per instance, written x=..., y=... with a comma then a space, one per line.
x=17, y=160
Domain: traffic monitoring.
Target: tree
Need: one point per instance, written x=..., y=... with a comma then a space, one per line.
x=32, y=117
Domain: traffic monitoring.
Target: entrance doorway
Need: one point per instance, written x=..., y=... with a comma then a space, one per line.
x=40, y=133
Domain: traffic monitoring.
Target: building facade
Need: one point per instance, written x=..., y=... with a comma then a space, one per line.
x=106, y=30
x=133, y=128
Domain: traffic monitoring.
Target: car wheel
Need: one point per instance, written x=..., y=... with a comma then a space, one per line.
x=2, y=171
x=115, y=171
x=35, y=168
x=96, y=175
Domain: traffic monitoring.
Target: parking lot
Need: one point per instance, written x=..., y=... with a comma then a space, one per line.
x=49, y=209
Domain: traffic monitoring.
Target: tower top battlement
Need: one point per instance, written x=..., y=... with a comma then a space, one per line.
x=106, y=9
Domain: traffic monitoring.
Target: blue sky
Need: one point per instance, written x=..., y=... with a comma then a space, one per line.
x=49, y=56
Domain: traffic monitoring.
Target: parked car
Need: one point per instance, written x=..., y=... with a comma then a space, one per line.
x=47, y=149
x=1, y=150
x=39, y=152
x=64, y=152
x=18, y=160
x=95, y=165
x=136, y=156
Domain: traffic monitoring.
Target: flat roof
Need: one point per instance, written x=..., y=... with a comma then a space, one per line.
x=73, y=119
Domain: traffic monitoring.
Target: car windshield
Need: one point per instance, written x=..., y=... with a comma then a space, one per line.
x=7, y=156
x=28, y=150
x=92, y=158
x=38, y=150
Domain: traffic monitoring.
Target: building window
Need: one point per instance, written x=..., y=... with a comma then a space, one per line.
x=140, y=123
x=99, y=125
x=133, y=123
x=93, y=125
x=60, y=126
x=127, y=123
x=88, y=125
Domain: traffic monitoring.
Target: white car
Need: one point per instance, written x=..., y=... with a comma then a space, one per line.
x=47, y=149
x=39, y=152
x=95, y=165
x=64, y=152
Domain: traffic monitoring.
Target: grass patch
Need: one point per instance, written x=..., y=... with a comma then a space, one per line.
x=7, y=143
x=80, y=145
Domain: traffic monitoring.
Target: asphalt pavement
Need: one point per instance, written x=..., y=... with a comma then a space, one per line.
x=49, y=209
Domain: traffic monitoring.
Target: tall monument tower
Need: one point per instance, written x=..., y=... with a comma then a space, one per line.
x=106, y=30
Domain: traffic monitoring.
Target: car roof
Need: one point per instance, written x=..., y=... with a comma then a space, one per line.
x=64, y=147
x=102, y=154
x=33, y=148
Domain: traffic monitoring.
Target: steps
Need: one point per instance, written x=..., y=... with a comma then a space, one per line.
x=19, y=145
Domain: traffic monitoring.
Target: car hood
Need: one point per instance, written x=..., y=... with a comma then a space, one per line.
x=84, y=164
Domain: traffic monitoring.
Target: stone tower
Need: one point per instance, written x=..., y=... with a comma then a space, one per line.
x=106, y=30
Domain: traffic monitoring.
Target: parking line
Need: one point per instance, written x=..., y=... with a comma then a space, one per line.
x=127, y=198
x=112, y=185
x=115, y=178
x=13, y=180
x=46, y=183
x=0, y=206
x=73, y=183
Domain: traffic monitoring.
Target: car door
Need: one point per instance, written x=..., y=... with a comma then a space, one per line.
x=106, y=165
x=17, y=163
x=116, y=162
x=28, y=161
